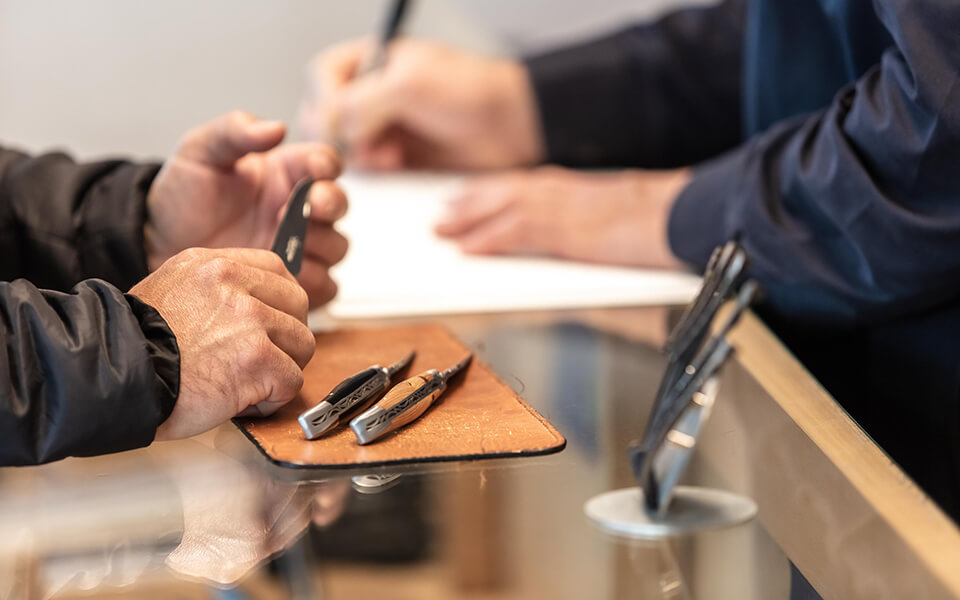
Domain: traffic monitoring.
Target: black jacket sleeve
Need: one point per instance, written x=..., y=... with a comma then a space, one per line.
x=62, y=222
x=664, y=94
x=95, y=370
x=85, y=373
x=851, y=214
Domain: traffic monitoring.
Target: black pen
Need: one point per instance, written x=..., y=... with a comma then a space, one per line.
x=389, y=31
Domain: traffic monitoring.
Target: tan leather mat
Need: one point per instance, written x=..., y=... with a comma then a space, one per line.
x=478, y=417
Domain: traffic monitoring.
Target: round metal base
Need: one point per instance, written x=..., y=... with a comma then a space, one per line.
x=692, y=509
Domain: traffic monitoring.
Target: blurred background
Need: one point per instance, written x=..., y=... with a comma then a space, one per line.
x=114, y=77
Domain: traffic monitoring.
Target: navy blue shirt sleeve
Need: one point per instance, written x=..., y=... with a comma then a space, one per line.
x=662, y=94
x=852, y=213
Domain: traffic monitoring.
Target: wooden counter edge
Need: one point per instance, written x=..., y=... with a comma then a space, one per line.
x=921, y=524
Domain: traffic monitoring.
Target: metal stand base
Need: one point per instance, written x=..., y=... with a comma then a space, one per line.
x=692, y=509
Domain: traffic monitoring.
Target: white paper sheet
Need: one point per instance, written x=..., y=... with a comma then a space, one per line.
x=397, y=266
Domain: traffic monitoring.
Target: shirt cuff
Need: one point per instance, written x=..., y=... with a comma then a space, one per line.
x=164, y=354
x=581, y=107
x=700, y=219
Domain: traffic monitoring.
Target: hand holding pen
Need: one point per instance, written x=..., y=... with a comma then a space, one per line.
x=373, y=59
x=428, y=106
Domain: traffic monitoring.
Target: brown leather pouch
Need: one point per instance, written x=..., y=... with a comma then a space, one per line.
x=478, y=417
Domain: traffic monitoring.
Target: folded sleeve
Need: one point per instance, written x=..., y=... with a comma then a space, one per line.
x=852, y=213
x=62, y=221
x=83, y=373
x=657, y=95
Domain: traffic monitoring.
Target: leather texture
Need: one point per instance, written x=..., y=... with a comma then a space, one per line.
x=478, y=417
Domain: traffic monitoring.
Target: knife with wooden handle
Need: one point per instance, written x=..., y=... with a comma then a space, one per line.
x=404, y=403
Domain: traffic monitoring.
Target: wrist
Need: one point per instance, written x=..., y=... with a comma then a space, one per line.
x=656, y=192
x=515, y=108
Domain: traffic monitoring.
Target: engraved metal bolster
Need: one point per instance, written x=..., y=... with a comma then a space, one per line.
x=370, y=424
x=325, y=415
x=314, y=421
x=414, y=398
x=363, y=393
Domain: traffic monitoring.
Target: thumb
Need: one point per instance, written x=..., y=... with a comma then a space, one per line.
x=226, y=139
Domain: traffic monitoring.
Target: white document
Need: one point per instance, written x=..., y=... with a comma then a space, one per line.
x=397, y=266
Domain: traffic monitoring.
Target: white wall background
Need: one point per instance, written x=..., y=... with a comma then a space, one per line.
x=128, y=77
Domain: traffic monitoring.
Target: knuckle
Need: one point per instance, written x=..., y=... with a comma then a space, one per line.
x=275, y=262
x=302, y=300
x=192, y=254
x=271, y=263
x=251, y=357
x=309, y=342
x=287, y=381
x=296, y=381
x=248, y=307
x=214, y=270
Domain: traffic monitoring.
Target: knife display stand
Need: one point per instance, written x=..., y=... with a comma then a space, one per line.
x=697, y=349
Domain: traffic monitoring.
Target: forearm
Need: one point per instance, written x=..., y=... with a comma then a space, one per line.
x=63, y=222
x=85, y=373
x=849, y=215
x=660, y=95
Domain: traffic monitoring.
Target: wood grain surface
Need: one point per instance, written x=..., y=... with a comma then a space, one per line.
x=404, y=389
x=847, y=516
x=478, y=417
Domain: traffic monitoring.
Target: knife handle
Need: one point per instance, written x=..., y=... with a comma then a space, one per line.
x=404, y=389
x=350, y=385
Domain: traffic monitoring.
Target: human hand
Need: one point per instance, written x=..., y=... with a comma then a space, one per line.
x=240, y=322
x=227, y=185
x=616, y=218
x=429, y=107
